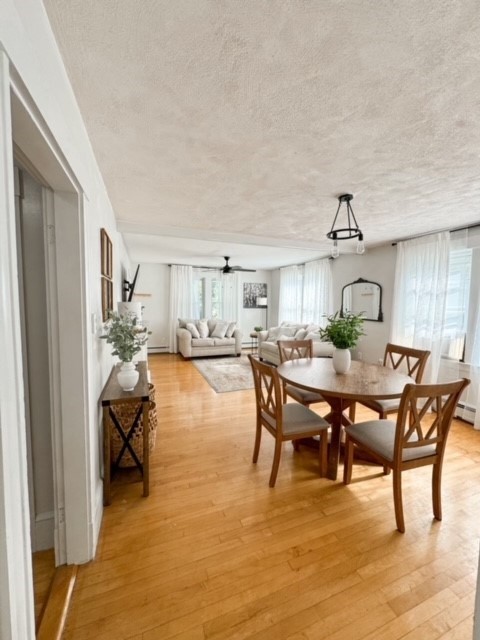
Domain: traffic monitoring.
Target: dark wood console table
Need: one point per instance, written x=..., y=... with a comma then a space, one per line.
x=113, y=394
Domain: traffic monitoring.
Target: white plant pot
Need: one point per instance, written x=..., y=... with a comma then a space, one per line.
x=127, y=376
x=341, y=360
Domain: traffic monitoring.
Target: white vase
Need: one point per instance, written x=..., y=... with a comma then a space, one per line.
x=127, y=376
x=341, y=360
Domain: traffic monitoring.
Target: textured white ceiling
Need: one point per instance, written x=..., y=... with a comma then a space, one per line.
x=244, y=120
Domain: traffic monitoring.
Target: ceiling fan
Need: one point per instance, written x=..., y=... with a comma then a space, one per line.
x=227, y=268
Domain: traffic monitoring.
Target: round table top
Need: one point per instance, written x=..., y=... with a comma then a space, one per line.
x=361, y=381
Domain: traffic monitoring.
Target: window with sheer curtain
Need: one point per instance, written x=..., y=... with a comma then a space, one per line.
x=437, y=307
x=306, y=292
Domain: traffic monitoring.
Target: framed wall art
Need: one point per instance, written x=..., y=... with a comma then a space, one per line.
x=107, y=297
x=254, y=295
x=106, y=268
x=106, y=254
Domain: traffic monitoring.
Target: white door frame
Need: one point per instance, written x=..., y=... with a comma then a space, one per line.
x=66, y=266
x=16, y=587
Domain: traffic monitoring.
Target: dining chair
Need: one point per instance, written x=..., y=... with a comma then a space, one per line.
x=417, y=438
x=291, y=350
x=284, y=422
x=411, y=361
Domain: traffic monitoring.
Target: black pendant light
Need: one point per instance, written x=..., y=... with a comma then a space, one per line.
x=352, y=230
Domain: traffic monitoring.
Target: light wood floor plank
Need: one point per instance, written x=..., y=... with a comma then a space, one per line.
x=215, y=554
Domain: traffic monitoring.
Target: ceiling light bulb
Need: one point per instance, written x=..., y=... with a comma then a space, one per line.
x=335, y=251
x=360, y=244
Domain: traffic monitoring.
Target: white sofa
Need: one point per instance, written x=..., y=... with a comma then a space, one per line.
x=267, y=340
x=215, y=338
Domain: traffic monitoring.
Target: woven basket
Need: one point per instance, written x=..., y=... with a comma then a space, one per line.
x=125, y=414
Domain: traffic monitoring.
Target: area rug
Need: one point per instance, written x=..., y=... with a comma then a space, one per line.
x=226, y=374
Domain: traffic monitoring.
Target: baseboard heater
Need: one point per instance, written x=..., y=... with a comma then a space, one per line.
x=465, y=412
x=157, y=349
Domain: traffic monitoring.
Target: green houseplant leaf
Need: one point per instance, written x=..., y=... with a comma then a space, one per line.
x=345, y=332
x=125, y=335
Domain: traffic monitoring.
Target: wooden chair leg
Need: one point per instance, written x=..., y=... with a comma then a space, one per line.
x=276, y=462
x=258, y=438
x=323, y=452
x=436, y=490
x=296, y=445
x=397, y=499
x=351, y=411
x=347, y=460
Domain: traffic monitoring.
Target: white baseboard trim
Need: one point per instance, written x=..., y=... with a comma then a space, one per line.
x=465, y=412
x=158, y=350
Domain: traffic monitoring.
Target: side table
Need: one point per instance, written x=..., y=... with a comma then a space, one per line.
x=254, y=341
x=112, y=395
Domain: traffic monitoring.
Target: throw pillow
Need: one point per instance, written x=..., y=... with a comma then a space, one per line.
x=313, y=335
x=193, y=330
x=202, y=327
x=220, y=330
x=274, y=333
x=300, y=335
x=230, y=329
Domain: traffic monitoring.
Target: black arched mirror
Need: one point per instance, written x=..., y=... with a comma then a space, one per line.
x=363, y=296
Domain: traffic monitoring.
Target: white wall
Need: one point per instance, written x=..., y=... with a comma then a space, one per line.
x=377, y=265
x=152, y=290
x=250, y=318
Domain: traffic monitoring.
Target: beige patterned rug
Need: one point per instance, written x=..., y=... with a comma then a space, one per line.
x=226, y=374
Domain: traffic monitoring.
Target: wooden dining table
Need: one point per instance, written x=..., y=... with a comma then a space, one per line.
x=362, y=381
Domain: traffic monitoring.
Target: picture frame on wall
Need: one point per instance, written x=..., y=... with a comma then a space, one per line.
x=254, y=293
x=106, y=268
x=106, y=254
x=107, y=298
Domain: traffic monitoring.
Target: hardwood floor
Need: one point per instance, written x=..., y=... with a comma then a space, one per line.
x=43, y=563
x=214, y=553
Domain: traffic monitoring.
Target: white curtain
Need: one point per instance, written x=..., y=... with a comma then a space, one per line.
x=290, y=295
x=317, y=292
x=421, y=279
x=181, y=300
x=231, y=297
x=475, y=367
x=466, y=305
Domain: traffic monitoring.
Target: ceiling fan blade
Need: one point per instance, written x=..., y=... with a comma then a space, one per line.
x=242, y=269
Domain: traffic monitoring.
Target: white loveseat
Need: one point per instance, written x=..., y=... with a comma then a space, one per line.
x=267, y=340
x=213, y=337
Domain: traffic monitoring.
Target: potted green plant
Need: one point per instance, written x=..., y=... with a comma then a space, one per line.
x=127, y=337
x=343, y=332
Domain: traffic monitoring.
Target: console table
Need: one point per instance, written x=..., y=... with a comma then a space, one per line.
x=112, y=395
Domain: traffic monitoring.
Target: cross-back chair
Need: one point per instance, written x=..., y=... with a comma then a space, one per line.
x=417, y=438
x=291, y=421
x=412, y=362
x=291, y=350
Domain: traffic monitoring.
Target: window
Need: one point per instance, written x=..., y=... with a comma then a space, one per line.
x=208, y=295
x=457, y=304
x=306, y=292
